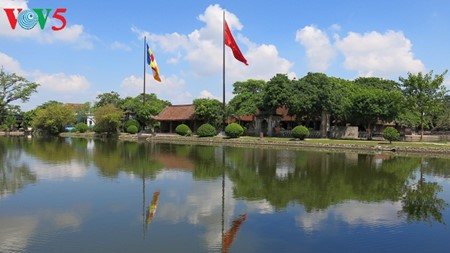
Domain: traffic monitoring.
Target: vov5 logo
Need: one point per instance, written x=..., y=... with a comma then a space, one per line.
x=27, y=19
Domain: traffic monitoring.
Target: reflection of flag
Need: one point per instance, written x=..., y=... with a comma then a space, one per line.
x=229, y=41
x=152, y=207
x=152, y=62
x=231, y=234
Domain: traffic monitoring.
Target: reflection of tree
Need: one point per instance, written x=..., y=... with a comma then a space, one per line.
x=112, y=157
x=316, y=180
x=51, y=150
x=13, y=176
x=420, y=201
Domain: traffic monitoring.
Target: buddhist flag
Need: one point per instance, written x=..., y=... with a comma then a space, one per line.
x=229, y=41
x=152, y=62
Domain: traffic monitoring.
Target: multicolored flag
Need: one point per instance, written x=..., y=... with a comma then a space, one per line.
x=229, y=41
x=152, y=62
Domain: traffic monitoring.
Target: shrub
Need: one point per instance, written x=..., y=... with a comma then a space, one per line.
x=391, y=134
x=234, y=130
x=81, y=127
x=132, y=129
x=183, y=130
x=206, y=130
x=300, y=132
x=131, y=122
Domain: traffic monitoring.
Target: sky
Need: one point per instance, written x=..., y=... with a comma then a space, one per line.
x=101, y=48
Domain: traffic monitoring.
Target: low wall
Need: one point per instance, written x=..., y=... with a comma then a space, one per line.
x=428, y=138
x=344, y=132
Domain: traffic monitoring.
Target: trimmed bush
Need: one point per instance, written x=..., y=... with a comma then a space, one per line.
x=132, y=129
x=183, y=130
x=391, y=134
x=300, y=132
x=234, y=130
x=206, y=130
x=81, y=127
x=131, y=122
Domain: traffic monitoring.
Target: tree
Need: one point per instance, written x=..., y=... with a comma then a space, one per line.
x=276, y=93
x=372, y=104
x=108, y=98
x=107, y=119
x=424, y=94
x=141, y=110
x=12, y=88
x=209, y=111
x=52, y=120
x=391, y=134
x=248, y=97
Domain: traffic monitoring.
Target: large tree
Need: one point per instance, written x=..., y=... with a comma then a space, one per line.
x=108, y=118
x=425, y=95
x=372, y=104
x=52, y=120
x=143, y=110
x=108, y=98
x=277, y=93
x=247, y=99
x=12, y=88
x=209, y=111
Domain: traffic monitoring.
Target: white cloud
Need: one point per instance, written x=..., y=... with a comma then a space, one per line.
x=376, y=54
x=208, y=94
x=202, y=49
x=61, y=82
x=319, y=50
x=171, y=88
x=9, y=64
x=385, y=55
x=73, y=34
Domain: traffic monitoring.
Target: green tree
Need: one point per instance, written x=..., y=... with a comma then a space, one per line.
x=425, y=94
x=12, y=88
x=108, y=98
x=107, y=119
x=52, y=120
x=276, y=93
x=9, y=123
x=391, y=134
x=372, y=104
x=144, y=110
x=248, y=97
x=209, y=111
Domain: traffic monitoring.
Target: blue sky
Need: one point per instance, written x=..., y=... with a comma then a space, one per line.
x=101, y=48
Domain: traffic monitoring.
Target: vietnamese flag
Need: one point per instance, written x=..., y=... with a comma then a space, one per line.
x=229, y=41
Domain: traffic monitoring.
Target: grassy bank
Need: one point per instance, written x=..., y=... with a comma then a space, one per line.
x=442, y=149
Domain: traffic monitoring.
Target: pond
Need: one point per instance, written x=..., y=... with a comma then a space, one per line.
x=78, y=195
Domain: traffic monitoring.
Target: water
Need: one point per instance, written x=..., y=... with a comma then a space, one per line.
x=77, y=195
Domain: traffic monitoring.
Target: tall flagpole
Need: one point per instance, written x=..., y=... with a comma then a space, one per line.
x=223, y=71
x=145, y=58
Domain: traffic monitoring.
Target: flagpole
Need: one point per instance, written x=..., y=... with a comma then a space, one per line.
x=145, y=56
x=223, y=71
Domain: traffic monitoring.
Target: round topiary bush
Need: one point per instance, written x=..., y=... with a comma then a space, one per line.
x=131, y=122
x=183, y=130
x=206, y=130
x=234, y=130
x=300, y=132
x=132, y=129
x=391, y=134
x=81, y=127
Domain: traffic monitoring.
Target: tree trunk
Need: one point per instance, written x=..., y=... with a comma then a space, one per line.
x=324, y=124
x=369, y=131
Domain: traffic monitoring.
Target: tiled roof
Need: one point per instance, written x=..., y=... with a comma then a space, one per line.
x=176, y=112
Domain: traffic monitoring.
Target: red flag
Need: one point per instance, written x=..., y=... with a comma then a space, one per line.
x=229, y=41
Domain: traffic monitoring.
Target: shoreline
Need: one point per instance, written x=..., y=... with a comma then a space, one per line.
x=406, y=148
x=296, y=144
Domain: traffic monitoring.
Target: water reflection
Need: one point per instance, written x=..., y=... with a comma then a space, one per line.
x=229, y=199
